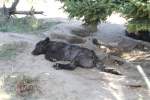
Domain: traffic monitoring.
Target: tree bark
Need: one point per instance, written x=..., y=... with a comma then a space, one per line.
x=28, y=12
x=13, y=6
x=91, y=28
x=7, y=12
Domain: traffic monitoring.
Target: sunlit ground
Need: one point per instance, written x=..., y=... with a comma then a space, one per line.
x=3, y=94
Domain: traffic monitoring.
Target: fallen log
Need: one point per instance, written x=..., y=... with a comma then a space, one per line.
x=28, y=12
x=7, y=12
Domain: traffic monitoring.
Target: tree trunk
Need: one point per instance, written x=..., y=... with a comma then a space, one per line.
x=91, y=28
x=7, y=12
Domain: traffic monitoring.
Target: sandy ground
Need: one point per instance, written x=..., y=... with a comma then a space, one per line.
x=80, y=84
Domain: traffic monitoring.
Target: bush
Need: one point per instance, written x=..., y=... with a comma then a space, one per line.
x=91, y=12
x=137, y=12
x=26, y=24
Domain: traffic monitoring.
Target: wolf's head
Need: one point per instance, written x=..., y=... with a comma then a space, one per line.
x=41, y=47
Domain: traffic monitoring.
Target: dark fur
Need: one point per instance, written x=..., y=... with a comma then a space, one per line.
x=60, y=51
x=141, y=35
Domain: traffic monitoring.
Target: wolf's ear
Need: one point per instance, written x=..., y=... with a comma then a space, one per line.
x=47, y=39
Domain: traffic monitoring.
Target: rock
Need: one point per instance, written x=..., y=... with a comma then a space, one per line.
x=67, y=32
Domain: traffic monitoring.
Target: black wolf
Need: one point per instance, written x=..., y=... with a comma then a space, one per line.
x=60, y=51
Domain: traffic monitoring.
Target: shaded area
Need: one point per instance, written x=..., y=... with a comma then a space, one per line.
x=10, y=51
x=141, y=35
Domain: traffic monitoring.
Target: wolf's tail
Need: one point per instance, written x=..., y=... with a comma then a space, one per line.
x=111, y=71
x=101, y=66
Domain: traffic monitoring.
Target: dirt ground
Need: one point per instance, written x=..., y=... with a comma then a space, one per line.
x=80, y=84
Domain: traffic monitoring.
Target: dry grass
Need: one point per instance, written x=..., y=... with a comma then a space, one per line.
x=21, y=85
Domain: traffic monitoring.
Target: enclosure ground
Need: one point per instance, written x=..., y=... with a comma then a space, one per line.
x=80, y=84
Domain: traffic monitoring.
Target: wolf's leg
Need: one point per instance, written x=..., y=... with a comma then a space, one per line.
x=69, y=66
x=50, y=58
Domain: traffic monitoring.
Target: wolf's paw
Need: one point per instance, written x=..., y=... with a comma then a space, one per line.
x=57, y=66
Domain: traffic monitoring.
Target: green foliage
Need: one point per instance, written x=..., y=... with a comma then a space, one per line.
x=19, y=24
x=137, y=12
x=138, y=25
x=136, y=9
x=25, y=24
x=91, y=11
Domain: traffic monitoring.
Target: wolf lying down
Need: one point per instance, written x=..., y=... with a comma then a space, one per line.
x=76, y=55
